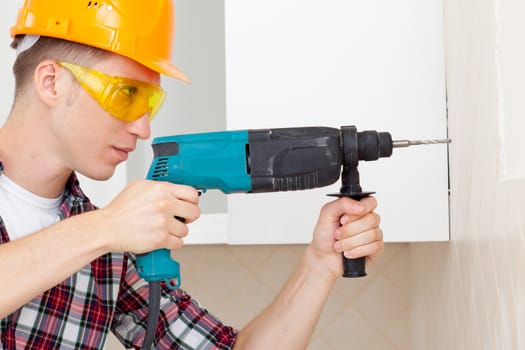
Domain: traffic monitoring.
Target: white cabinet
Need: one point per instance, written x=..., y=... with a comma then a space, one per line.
x=265, y=64
x=372, y=64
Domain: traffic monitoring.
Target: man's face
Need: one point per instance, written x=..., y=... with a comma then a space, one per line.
x=92, y=141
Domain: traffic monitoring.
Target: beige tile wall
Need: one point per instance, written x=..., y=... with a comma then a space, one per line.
x=236, y=282
x=470, y=293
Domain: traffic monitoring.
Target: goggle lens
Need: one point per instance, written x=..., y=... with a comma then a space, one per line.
x=125, y=99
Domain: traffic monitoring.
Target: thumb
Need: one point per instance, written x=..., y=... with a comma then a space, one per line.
x=344, y=207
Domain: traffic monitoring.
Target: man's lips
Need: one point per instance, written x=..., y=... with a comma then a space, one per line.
x=122, y=152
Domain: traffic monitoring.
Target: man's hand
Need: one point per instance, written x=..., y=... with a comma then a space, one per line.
x=350, y=227
x=147, y=215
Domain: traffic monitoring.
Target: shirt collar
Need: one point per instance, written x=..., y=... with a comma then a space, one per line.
x=72, y=188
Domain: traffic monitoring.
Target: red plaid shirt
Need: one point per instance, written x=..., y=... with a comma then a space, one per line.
x=107, y=294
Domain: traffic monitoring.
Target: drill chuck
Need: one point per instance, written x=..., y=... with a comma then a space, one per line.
x=373, y=145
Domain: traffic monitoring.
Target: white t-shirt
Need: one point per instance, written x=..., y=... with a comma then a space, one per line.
x=23, y=212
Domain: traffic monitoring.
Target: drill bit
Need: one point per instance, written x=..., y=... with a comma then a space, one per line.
x=406, y=143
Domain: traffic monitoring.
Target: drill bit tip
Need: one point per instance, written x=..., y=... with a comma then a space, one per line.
x=407, y=143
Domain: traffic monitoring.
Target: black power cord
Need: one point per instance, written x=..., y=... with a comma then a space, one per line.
x=154, y=307
x=153, y=314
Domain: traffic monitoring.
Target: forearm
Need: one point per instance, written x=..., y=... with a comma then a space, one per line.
x=288, y=323
x=290, y=320
x=35, y=263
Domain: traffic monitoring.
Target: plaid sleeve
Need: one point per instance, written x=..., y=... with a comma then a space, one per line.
x=183, y=324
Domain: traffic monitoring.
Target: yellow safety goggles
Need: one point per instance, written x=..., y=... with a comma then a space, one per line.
x=123, y=98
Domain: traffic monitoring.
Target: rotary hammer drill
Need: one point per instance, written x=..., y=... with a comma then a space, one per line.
x=265, y=160
x=255, y=161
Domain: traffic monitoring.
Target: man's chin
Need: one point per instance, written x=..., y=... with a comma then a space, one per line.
x=99, y=175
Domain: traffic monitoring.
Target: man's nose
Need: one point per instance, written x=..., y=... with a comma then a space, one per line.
x=141, y=127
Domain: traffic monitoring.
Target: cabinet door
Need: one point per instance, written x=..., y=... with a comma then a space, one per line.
x=373, y=64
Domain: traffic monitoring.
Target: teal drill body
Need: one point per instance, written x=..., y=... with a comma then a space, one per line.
x=214, y=161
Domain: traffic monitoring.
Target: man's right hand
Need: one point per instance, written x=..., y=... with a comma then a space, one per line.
x=142, y=217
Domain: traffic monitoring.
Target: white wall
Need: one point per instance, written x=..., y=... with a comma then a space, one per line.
x=7, y=57
x=470, y=293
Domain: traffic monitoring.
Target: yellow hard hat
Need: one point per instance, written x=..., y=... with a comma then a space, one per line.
x=138, y=29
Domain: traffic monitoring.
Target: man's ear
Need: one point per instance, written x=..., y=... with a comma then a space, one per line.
x=45, y=81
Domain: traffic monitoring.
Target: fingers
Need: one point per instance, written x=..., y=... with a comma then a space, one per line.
x=169, y=224
x=359, y=233
x=346, y=209
x=177, y=224
x=184, y=193
x=179, y=208
x=175, y=200
x=184, y=212
x=173, y=242
x=368, y=243
x=356, y=209
x=351, y=227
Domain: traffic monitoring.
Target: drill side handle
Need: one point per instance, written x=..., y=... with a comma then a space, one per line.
x=355, y=267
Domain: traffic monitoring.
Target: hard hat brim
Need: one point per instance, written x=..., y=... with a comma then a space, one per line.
x=168, y=69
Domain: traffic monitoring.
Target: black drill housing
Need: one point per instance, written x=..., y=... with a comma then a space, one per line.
x=290, y=159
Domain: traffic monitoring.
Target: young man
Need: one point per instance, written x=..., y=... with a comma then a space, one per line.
x=87, y=85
